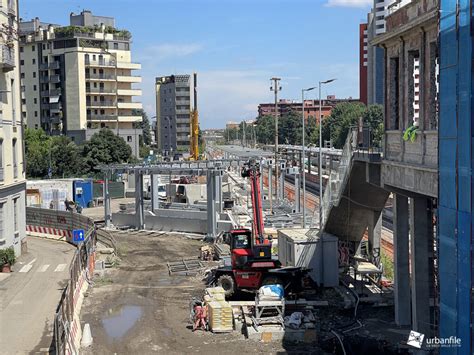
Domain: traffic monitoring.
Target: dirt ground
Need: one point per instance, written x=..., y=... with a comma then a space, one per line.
x=137, y=308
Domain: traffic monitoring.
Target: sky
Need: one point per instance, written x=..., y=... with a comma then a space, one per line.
x=235, y=46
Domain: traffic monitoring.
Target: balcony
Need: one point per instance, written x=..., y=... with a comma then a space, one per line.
x=183, y=102
x=99, y=63
x=104, y=103
x=54, y=65
x=129, y=92
x=182, y=111
x=54, y=92
x=130, y=105
x=1, y=174
x=125, y=65
x=7, y=60
x=54, y=79
x=43, y=66
x=102, y=118
x=129, y=79
x=130, y=118
x=44, y=79
x=183, y=130
x=100, y=77
x=90, y=90
x=55, y=106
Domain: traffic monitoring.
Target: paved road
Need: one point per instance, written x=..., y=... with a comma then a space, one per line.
x=29, y=296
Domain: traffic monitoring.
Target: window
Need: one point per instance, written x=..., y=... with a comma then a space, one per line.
x=15, y=214
x=36, y=113
x=23, y=101
x=1, y=220
x=393, y=94
x=1, y=162
x=33, y=61
x=116, y=46
x=34, y=87
x=44, y=46
x=22, y=75
x=35, y=100
x=15, y=167
x=129, y=138
x=22, y=62
x=24, y=114
x=34, y=74
x=21, y=49
x=33, y=48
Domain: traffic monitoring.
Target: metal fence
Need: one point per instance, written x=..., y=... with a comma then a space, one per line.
x=80, y=270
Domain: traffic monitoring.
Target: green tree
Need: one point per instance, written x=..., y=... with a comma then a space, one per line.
x=373, y=117
x=37, y=153
x=144, y=125
x=231, y=134
x=66, y=158
x=105, y=147
x=265, y=129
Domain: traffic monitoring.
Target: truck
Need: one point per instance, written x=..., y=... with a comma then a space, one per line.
x=252, y=265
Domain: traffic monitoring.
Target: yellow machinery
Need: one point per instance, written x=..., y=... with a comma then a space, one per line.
x=194, y=143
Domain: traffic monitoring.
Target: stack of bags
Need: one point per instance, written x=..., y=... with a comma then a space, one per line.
x=220, y=316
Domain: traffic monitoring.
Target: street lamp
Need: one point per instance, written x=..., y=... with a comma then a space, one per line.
x=321, y=156
x=304, y=155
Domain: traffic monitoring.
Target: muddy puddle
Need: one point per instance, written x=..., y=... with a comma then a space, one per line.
x=118, y=321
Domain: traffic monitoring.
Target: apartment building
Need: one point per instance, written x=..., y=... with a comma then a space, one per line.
x=173, y=108
x=80, y=78
x=12, y=169
x=363, y=62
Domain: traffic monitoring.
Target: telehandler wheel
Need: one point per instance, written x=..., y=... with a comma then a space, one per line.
x=227, y=283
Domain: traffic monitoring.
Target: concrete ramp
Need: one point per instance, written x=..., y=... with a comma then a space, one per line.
x=359, y=204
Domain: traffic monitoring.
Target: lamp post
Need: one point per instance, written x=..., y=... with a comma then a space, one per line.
x=321, y=156
x=303, y=153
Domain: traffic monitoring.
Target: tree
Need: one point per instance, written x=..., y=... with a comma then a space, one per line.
x=373, y=117
x=144, y=125
x=265, y=129
x=37, y=152
x=105, y=147
x=337, y=125
x=231, y=134
x=66, y=159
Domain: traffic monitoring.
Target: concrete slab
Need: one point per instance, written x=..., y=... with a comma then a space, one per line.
x=4, y=276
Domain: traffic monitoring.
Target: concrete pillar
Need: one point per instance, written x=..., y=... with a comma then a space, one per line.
x=375, y=235
x=139, y=211
x=421, y=228
x=211, y=204
x=309, y=162
x=270, y=184
x=401, y=260
x=107, y=212
x=218, y=182
x=297, y=193
x=153, y=192
x=281, y=186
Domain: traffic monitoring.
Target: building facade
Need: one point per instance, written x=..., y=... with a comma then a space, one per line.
x=410, y=166
x=173, y=109
x=12, y=167
x=79, y=79
x=363, y=63
x=311, y=107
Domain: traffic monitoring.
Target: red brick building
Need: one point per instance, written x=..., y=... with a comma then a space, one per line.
x=363, y=62
x=311, y=107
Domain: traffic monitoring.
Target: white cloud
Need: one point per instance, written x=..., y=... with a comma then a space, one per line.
x=349, y=3
x=169, y=51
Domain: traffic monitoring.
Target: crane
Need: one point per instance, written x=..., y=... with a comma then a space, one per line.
x=251, y=253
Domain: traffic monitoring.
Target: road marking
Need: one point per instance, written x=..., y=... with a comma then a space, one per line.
x=60, y=268
x=43, y=268
x=28, y=266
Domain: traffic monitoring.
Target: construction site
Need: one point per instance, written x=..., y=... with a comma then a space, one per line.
x=229, y=251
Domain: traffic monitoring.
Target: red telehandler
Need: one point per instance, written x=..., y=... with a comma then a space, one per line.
x=251, y=253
